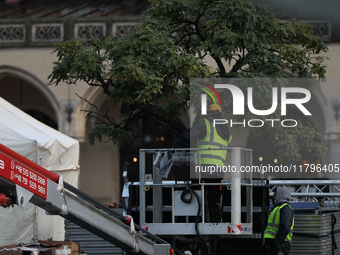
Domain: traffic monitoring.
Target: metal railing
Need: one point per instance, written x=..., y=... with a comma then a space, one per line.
x=236, y=156
x=310, y=190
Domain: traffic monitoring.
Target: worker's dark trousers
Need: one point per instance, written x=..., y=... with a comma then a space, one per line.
x=213, y=197
x=268, y=249
x=271, y=252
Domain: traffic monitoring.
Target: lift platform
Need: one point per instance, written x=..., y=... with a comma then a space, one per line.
x=23, y=181
x=161, y=208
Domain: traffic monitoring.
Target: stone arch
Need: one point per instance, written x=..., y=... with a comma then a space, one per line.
x=93, y=95
x=96, y=96
x=101, y=163
x=100, y=175
x=33, y=81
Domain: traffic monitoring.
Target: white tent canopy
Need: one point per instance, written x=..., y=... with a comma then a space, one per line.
x=50, y=149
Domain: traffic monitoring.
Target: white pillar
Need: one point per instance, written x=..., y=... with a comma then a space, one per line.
x=236, y=191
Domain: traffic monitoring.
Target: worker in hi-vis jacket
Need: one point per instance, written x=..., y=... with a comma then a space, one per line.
x=278, y=234
x=204, y=135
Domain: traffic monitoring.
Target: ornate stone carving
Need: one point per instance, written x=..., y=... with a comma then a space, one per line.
x=121, y=29
x=12, y=33
x=83, y=31
x=321, y=29
x=47, y=32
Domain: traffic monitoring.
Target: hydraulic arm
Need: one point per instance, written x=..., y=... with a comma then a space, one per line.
x=23, y=181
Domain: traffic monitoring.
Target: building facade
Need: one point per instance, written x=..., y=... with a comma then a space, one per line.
x=28, y=31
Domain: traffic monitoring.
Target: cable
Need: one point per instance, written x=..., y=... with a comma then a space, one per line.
x=184, y=193
x=188, y=200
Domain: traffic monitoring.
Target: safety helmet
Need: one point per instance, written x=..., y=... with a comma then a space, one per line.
x=215, y=107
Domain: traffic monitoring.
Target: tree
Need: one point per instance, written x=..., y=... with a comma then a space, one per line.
x=169, y=47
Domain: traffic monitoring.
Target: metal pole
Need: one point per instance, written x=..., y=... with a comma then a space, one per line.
x=173, y=203
x=236, y=191
x=249, y=189
x=203, y=204
x=157, y=197
x=142, y=188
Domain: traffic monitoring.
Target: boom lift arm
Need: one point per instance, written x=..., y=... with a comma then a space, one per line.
x=23, y=181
